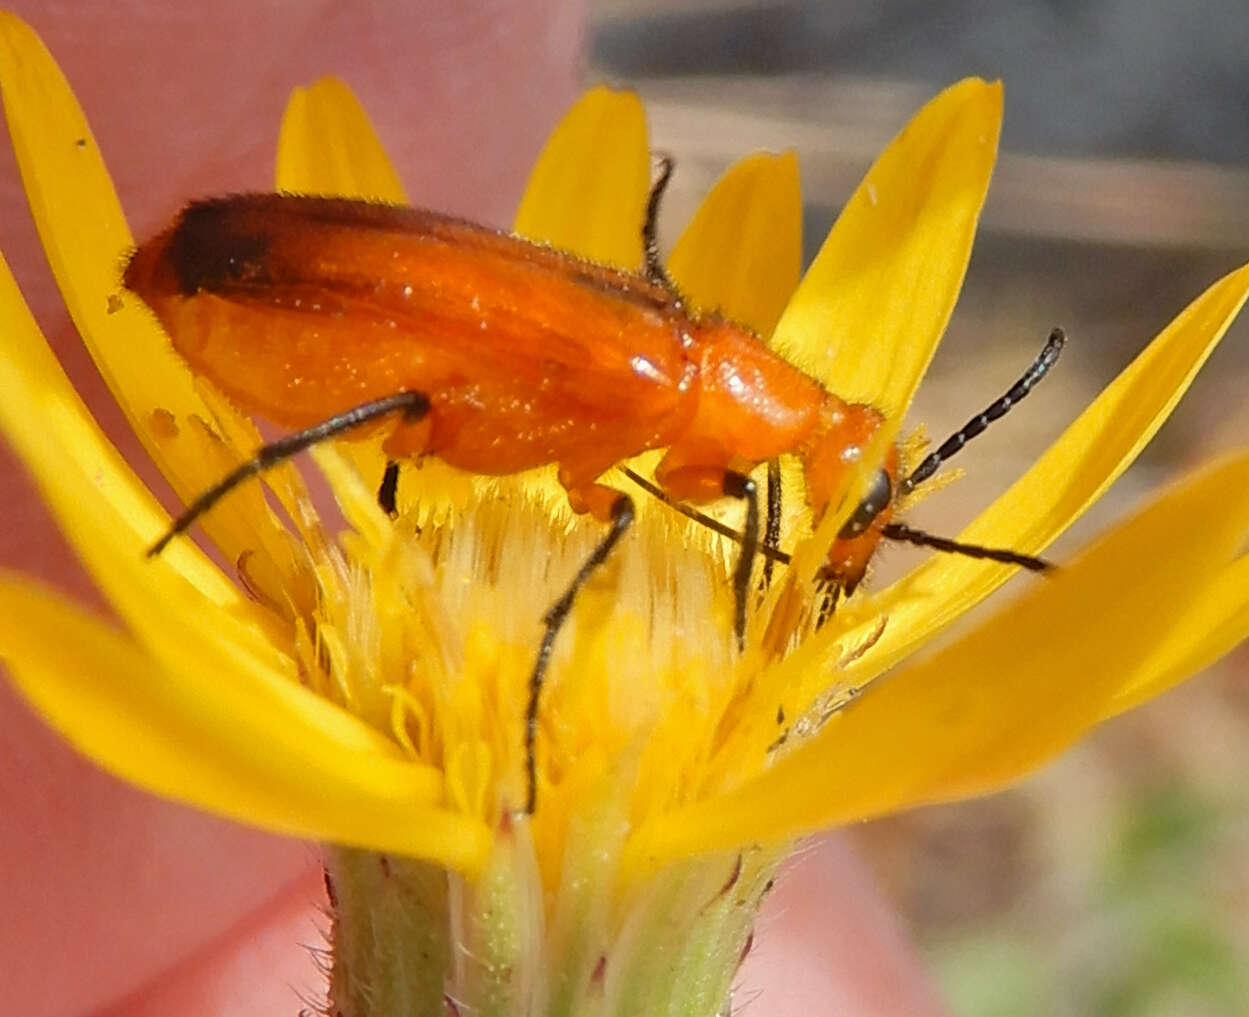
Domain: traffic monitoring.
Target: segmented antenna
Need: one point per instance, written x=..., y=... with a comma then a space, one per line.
x=902, y=532
x=931, y=463
x=954, y=444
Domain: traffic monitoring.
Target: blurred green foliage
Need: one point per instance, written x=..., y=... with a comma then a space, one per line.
x=1156, y=937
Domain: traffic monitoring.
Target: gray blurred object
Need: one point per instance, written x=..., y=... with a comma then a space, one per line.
x=1127, y=122
x=1091, y=77
x=1122, y=188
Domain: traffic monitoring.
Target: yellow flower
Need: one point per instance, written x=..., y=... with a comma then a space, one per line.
x=368, y=690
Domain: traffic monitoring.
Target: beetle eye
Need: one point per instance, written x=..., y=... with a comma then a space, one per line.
x=877, y=499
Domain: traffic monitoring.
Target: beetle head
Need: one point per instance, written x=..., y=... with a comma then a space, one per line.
x=837, y=447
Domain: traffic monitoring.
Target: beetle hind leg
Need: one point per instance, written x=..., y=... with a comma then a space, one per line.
x=409, y=440
x=413, y=406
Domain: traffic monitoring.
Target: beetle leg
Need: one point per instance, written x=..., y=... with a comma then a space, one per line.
x=598, y=500
x=772, y=532
x=413, y=405
x=388, y=491
x=621, y=516
x=738, y=485
x=655, y=271
x=707, y=483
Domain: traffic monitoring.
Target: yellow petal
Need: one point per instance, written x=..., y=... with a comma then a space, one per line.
x=107, y=514
x=77, y=468
x=83, y=229
x=1001, y=700
x=85, y=238
x=329, y=778
x=327, y=145
x=356, y=499
x=872, y=307
x=741, y=254
x=587, y=192
x=1075, y=471
x=214, y=662
x=1212, y=624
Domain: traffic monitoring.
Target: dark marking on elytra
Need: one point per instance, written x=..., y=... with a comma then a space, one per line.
x=213, y=252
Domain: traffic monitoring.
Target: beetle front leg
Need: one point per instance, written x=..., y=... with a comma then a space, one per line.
x=707, y=483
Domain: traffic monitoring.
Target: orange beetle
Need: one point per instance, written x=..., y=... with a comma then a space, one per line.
x=302, y=308
x=497, y=355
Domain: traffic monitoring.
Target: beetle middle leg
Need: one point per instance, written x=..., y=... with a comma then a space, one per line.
x=618, y=508
x=655, y=270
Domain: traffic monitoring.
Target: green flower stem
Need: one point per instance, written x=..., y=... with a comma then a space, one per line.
x=391, y=935
x=581, y=926
x=412, y=940
x=686, y=940
x=498, y=931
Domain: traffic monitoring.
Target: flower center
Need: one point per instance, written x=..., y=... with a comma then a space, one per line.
x=431, y=636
